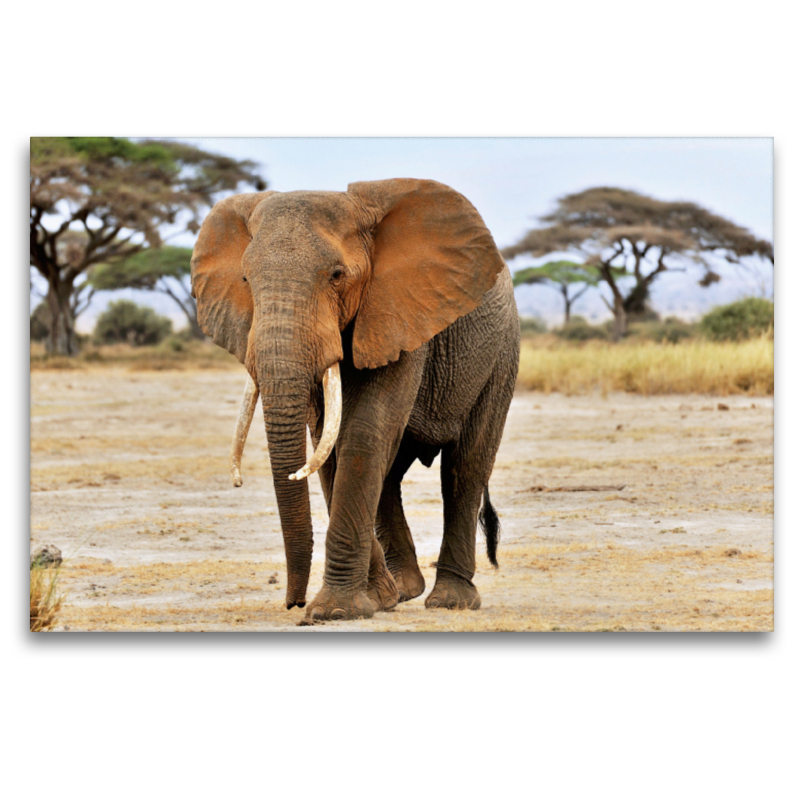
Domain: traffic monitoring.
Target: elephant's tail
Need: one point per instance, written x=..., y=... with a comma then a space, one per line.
x=490, y=525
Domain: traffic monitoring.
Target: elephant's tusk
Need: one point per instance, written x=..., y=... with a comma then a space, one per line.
x=246, y=410
x=332, y=386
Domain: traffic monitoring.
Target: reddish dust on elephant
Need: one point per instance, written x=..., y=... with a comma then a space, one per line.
x=383, y=319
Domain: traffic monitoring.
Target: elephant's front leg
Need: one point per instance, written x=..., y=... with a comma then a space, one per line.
x=350, y=545
x=381, y=587
x=377, y=405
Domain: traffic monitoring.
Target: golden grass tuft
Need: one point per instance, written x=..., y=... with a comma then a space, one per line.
x=46, y=601
x=689, y=367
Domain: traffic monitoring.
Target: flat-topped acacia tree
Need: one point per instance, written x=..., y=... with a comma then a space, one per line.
x=561, y=275
x=627, y=235
x=98, y=200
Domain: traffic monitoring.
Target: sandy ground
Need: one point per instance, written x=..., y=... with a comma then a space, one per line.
x=129, y=478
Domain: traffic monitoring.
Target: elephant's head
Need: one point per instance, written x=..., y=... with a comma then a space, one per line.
x=279, y=276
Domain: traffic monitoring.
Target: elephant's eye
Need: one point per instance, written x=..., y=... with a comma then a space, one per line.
x=337, y=274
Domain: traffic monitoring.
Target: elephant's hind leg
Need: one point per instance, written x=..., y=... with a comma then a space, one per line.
x=462, y=488
x=466, y=467
x=393, y=532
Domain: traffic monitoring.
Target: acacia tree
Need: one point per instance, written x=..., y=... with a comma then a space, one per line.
x=627, y=235
x=97, y=200
x=159, y=269
x=70, y=247
x=561, y=275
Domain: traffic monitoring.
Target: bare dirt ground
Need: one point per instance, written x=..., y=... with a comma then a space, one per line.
x=129, y=478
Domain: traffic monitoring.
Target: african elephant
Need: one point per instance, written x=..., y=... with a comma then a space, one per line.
x=382, y=318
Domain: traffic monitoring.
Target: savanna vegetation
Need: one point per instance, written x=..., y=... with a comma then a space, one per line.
x=736, y=322
x=98, y=200
x=124, y=321
x=626, y=240
x=165, y=270
x=104, y=208
x=177, y=351
x=551, y=364
x=729, y=351
x=46, y=597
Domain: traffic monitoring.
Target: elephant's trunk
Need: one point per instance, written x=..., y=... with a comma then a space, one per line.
x=283, y=356
x=289, y=356
x=285, y=403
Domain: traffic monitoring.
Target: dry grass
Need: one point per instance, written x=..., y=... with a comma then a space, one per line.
x=46, y=601
x=192, y=355
x=548, y=365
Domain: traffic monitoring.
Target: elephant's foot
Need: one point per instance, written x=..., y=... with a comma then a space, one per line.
x=338, y=604
x=450, y=591
x=409, y=580
x=382, y=590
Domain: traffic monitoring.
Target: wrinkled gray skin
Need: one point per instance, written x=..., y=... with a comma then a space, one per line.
x=456, y=391
x=450, y=395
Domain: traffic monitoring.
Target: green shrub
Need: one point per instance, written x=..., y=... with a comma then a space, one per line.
x=124, y=321
x=174, y=344
x=529, y=326
x=741, y=320
x=579, y=330
x=672, y=330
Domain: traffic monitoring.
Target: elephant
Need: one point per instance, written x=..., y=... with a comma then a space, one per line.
x=381, y=318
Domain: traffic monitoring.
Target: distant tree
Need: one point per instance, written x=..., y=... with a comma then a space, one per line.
x=615, y=228
x=158, y=269
x=124, y=321
x=97, y=200
x=561, y=275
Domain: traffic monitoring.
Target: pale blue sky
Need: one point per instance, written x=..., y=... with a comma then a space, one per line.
x=510, y=180
x=513, y=180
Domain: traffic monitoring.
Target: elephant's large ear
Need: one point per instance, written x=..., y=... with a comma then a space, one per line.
x=224, y=301
x=433, y=260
